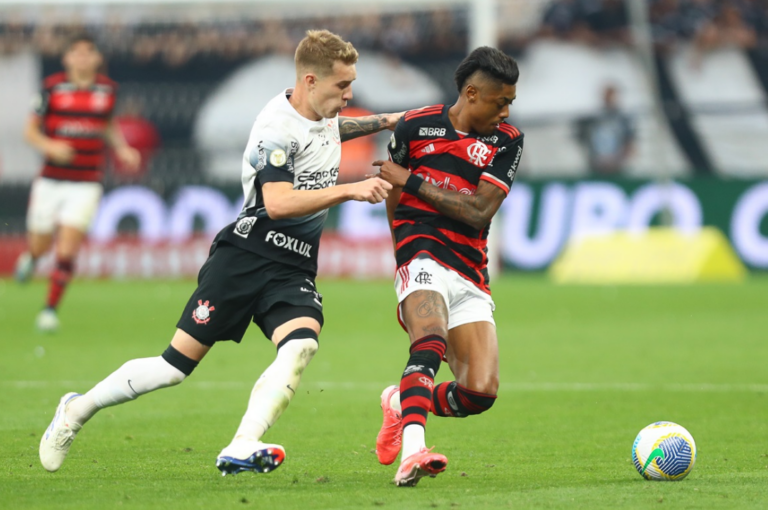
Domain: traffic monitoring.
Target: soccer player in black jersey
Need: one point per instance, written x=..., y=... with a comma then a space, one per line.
x=451, y=168
x=262, y=267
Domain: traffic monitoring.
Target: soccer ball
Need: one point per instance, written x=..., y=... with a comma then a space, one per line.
x=664, y=451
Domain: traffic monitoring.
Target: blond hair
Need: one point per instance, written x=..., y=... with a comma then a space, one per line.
x=318, y=51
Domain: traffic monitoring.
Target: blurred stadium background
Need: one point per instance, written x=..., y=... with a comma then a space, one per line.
x=627, y=124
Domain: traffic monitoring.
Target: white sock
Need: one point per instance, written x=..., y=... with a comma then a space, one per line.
x=413, y=440
x=134, y=378
x=394, y=402
x=275, y=388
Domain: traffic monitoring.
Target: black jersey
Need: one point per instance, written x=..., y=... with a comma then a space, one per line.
x=427, y=144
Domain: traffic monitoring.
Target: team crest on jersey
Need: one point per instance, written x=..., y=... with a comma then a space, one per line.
x=244, y=226
x=423, y=278
x=202, y=314
x=99, y=101
x=278, y=158
x=478, y=152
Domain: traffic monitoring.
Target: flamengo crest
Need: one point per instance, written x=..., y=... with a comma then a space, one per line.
x=478, y=152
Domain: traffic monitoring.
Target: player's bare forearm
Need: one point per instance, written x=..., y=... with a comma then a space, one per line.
x=34, y=136
x=355, y=127
x=475, y=210
x=114, y=136
x=282, y=201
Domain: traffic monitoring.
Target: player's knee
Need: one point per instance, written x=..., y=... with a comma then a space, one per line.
x=475, y=402
x=303, y=342
x=180, y=362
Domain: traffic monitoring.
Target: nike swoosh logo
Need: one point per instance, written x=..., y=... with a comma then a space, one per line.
x=289, y=387
x=129, y=385
x=306, y=146
x=658, y=452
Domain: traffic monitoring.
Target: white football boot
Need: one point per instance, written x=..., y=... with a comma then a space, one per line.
x=47, y=321
x=244, y=455
x=58, y=437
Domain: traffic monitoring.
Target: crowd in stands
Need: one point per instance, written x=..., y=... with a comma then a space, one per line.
x=436, y=33
x=433, y=34
x=708, y=23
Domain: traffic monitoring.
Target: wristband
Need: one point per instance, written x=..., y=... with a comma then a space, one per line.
x=413, y=184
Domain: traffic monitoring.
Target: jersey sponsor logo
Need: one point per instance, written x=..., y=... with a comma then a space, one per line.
x=489, y=139
x=202, y=314
x=446, y=184
x=399, y=156
x=260, y=160
x=291, y=154
x=513, y=168
x=431, y=131
x=244, y=226
x=278, y=158
x=99, y=101
x=77, y=128
x=289, y=243
x=316, y=180
x=478, y=152
x=423, y=278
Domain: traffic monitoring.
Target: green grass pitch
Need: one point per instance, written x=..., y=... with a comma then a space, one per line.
x=583, y=369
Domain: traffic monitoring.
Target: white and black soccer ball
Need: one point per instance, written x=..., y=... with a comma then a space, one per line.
x=664, y=451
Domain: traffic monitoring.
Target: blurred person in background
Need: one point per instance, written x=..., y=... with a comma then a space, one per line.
x=608, y=137
x=71, y=126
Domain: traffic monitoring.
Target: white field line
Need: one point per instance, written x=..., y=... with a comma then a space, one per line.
x=369, y=386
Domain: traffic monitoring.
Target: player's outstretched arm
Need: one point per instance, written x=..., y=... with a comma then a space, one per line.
x=282, y=201
x=355, y=127
x=475, y=210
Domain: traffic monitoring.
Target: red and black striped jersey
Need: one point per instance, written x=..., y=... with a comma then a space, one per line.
x=427, y=144
x=80, y=117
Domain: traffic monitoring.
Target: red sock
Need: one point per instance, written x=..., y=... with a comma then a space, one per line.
x=60, y=277
x=419, y=378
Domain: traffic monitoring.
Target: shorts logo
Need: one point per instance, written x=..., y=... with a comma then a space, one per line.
x=428, y=131
x=244, y=226
x=423, y=278
x=478, y=152
x=278, y=157
x=202, y=314
x=289, y=243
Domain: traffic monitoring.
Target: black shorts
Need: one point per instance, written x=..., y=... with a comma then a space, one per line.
x=236, y=286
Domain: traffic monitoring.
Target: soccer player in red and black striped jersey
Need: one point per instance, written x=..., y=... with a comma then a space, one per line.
x=71, y=126
x=451, y=168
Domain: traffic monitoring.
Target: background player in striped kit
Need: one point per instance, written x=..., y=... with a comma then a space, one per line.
x=71, y=126
x=451, y=167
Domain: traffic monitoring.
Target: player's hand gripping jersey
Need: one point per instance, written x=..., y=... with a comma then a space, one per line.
x=285, y=147
x=79, y=117
x=426, y=143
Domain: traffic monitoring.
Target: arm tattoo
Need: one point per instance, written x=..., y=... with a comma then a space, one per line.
x=474, y=210
x=354, y=127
